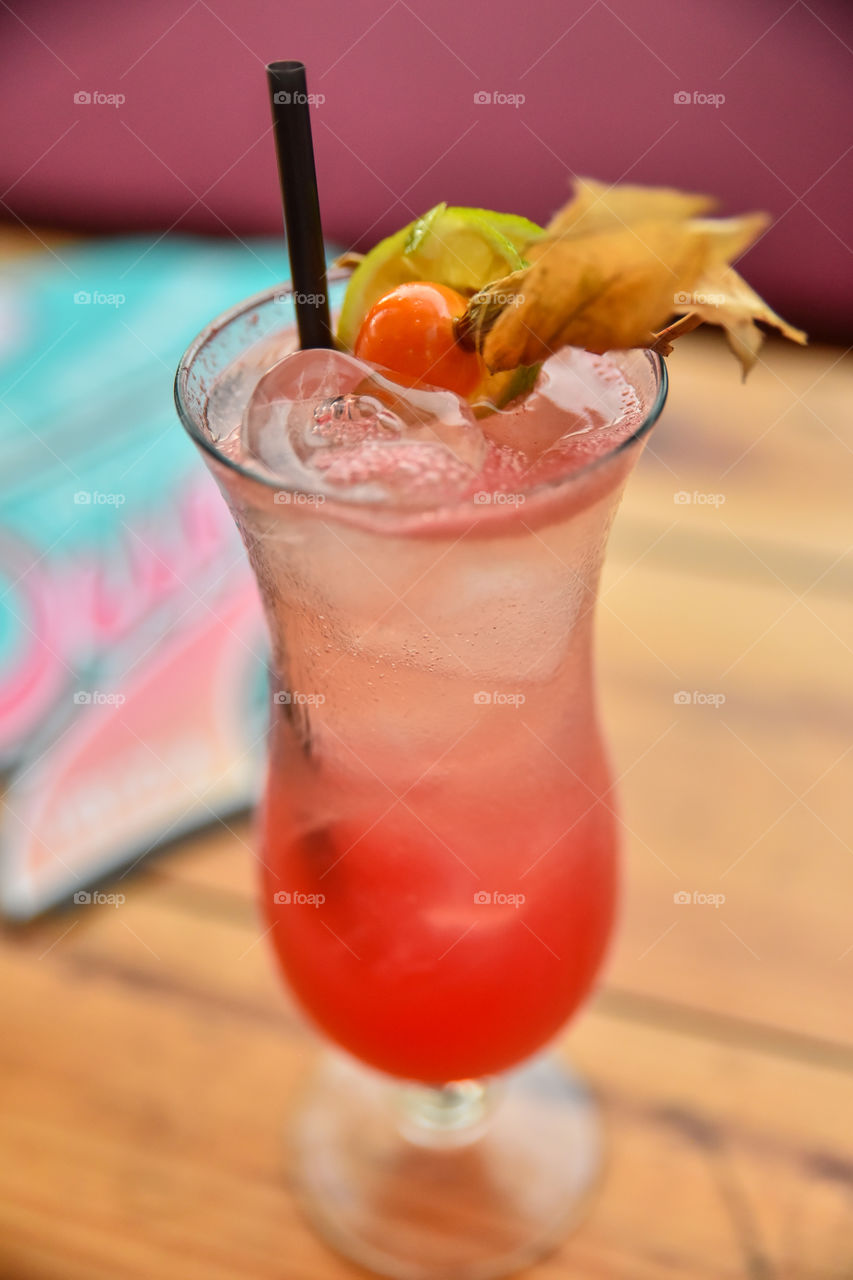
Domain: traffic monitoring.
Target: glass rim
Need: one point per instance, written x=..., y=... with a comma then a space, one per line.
x=280, y=485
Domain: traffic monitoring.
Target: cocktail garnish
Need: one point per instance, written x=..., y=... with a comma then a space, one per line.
x=611, y=268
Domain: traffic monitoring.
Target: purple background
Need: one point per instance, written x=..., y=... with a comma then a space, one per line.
x=399, y=128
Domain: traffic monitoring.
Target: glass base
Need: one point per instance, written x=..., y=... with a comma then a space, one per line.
x=467, y=1184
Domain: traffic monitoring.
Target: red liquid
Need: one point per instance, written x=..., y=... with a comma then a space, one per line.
x=398, y=962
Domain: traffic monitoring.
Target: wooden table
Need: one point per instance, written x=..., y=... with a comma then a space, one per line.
x=149, y=1058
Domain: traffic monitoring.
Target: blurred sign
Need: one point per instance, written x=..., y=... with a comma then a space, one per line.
x=132, y=649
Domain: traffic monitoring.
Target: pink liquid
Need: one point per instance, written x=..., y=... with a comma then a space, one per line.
x=439, y=844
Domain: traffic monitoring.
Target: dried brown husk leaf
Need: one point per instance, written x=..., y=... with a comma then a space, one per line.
x=610, y=289
x=613, y=266
x=724, y=298
x=595, y=206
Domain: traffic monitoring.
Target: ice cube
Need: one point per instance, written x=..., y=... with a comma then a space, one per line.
x=325, y=421
x=287, y=392
x=576, y=393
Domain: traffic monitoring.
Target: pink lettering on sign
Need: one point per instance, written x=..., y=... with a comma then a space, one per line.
x=67, y=611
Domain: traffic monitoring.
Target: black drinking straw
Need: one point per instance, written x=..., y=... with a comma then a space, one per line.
x=301, y=202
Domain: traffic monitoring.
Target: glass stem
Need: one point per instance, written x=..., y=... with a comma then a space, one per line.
x=449, y=1115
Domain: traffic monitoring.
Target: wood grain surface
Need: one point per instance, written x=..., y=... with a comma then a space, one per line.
x=149, y=1057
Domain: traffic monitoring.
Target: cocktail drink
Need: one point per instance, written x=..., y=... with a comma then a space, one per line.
x=438, y=844
x=425, y=493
